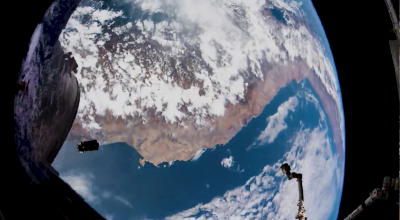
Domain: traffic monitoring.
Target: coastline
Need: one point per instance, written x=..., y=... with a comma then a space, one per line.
x=158, y=142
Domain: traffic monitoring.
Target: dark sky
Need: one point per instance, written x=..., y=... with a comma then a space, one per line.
x=19, y=20
x=358, y=34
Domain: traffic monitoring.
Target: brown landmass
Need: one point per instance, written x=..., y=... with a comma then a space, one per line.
x=331, y=110
x=157, y=141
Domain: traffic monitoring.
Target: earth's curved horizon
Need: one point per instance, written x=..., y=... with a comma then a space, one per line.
x=169, y=112
x=216, y=95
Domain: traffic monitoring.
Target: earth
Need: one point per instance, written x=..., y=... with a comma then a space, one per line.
x=196, y=105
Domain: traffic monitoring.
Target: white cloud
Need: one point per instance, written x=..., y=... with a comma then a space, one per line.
x=270, y=195
x=82, y=184
x=227, y=162
x=276, y=122
x=198, y=154
x=228, y=40
x=108, y=216
x=123, y=201
x=109, y=195
x=319, y=167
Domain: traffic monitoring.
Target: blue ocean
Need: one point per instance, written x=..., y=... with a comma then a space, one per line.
x=157, y=192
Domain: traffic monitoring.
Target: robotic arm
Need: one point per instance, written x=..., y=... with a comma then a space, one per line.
x=376, y=195
x=286, y=170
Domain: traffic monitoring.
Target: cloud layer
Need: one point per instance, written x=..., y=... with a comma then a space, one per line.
x=231, y=36
x=270, y=195
x=84, y=184
x=276, y=122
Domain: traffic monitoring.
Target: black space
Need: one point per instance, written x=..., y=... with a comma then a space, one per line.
x=18, y=20
x=358, y=34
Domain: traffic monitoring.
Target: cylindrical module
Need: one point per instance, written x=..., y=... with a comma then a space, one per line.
x=355, y=213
